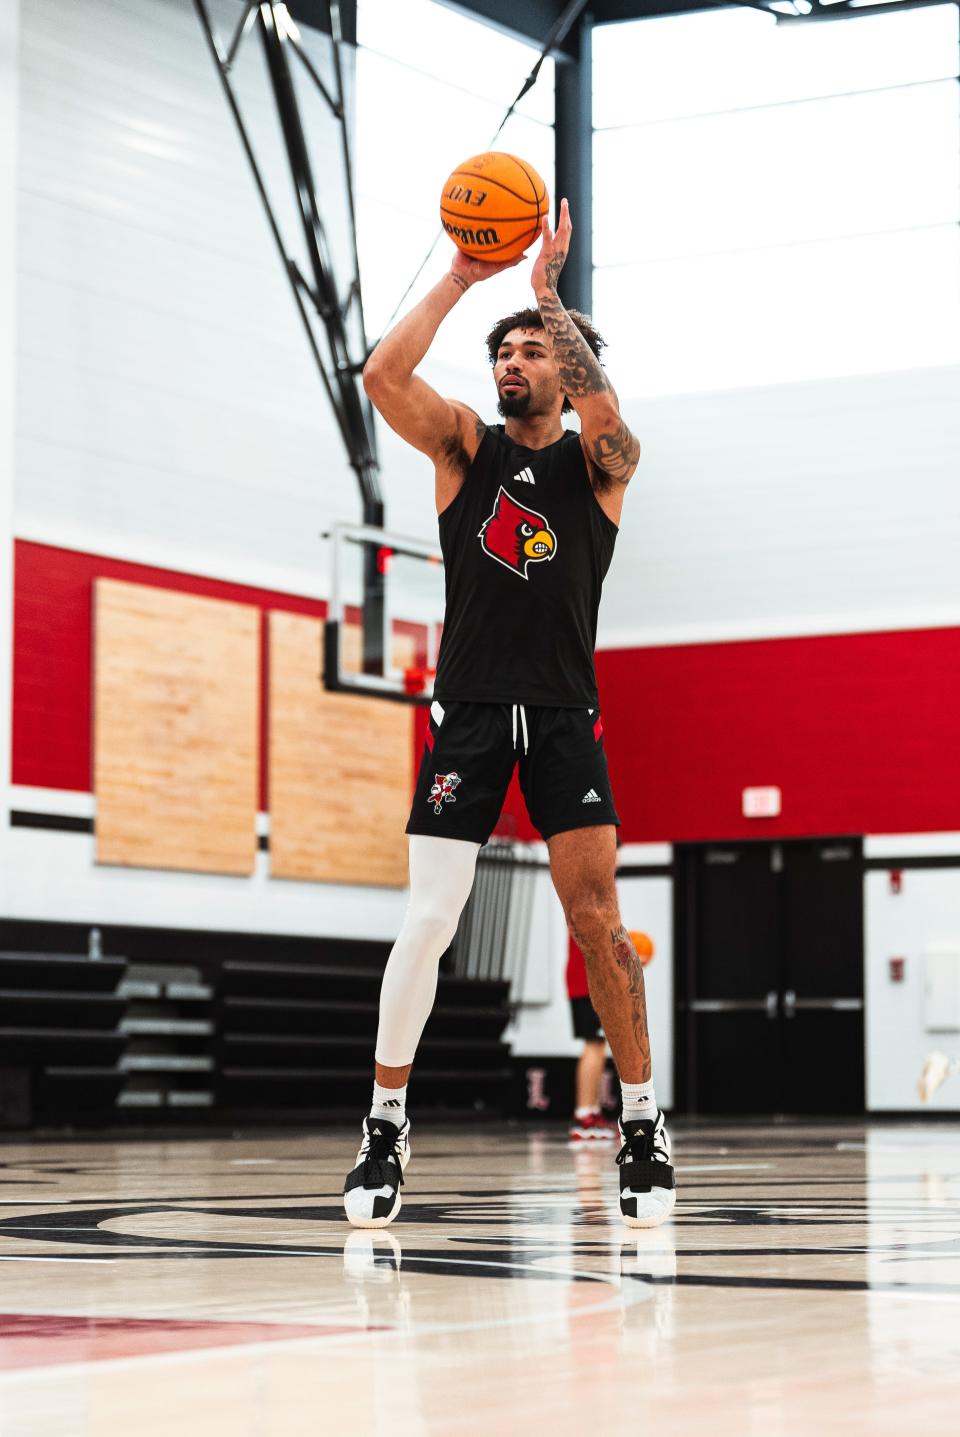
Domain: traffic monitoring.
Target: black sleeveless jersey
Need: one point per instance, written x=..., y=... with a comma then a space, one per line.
x=526, y=547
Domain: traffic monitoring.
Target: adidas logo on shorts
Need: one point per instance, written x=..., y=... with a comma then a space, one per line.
x=525, y=477
x=591, y=796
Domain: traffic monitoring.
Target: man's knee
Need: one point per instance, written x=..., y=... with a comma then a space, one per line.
x=592, y=914
x=432, y=927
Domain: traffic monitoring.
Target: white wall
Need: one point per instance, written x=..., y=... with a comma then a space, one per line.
x=168, y=405
x=824, y=507
x=9, y=25
x=53, y=876
x=901, y=925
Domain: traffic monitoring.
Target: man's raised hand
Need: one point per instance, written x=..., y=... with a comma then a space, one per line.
x=466, y=271
x=553, y=251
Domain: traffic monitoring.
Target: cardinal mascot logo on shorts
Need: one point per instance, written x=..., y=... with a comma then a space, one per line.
x=442, y=790
x=516, y=536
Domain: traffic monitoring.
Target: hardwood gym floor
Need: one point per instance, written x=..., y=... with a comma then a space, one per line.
x=809, y=1284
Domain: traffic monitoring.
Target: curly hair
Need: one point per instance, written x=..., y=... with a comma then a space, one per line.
x=530, y=319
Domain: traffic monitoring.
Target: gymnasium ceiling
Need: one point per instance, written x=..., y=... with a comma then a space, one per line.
x=532, y=20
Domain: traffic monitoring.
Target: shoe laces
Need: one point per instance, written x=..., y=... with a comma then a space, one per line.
x=641, y=1146
x=384, y=1147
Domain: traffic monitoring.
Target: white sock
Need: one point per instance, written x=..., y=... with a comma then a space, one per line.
x=638, y=1102
x=585, y=1112
x=390, y=1104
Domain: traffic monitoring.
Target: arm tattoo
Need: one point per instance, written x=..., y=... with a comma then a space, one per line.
x=459, y=280
x=554, y=266
x=581, y=373
x=616, y=454
x=627, y=961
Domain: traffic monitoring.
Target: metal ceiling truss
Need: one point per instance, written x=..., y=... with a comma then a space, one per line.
x=340, y=366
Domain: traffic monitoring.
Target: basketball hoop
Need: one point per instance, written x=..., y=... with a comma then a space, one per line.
x=384, y=614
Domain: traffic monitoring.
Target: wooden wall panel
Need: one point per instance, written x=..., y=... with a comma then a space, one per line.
x=340, y=768
x=176, y=729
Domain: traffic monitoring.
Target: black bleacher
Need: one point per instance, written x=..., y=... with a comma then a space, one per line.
x=292, y=1034
x=222, y=1027
x=60, y=1034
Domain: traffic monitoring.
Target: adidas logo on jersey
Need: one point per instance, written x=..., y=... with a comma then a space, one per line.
x=524, y=477
x=591, y=796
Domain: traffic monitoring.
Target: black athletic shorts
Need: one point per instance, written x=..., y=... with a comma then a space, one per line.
x=469, y=758
x=586, y=1020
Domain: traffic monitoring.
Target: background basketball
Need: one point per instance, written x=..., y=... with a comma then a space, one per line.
x=644, y=946
x=493, y=205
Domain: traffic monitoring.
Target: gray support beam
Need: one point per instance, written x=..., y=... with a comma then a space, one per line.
x=574, y=162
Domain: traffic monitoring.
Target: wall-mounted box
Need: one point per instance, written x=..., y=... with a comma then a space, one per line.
x=941, y=987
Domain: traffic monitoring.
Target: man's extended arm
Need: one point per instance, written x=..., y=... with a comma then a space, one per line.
x=611, y=447
x=432, y=424
x=408, y=404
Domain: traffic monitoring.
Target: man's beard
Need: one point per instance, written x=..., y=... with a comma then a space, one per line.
x=513, y=406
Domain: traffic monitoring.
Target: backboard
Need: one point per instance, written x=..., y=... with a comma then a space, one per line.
x=385, y=614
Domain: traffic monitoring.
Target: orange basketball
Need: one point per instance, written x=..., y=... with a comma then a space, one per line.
x=644, y=946
x=493, y=205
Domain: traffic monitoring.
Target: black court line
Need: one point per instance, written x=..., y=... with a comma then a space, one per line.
x=488, y=1263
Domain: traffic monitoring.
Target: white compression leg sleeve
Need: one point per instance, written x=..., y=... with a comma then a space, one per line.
x=441, y=876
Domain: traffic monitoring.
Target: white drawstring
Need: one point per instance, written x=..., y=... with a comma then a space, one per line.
x=523, y=725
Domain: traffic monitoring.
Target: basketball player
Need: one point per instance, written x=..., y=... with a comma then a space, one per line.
x=528, y=516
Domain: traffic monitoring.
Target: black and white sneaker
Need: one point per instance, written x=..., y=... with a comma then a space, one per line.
x=647, y=1181
x=371, y=1193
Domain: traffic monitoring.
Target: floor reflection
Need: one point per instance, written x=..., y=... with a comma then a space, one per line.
x=809, y=1282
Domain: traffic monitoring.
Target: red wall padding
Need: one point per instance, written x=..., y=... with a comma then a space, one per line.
x=859, y=730
x=52, y=646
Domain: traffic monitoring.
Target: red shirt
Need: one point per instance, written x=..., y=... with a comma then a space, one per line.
x=577, y=986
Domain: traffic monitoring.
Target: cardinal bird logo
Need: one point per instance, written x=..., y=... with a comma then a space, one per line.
x=442, y=790
x=516, y=536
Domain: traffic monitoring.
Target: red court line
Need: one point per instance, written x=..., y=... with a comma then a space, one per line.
x=47, y=1340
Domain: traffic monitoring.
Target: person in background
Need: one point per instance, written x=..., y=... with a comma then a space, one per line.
x=589, y=1123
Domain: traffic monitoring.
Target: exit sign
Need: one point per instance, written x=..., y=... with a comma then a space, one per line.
x=762, y=802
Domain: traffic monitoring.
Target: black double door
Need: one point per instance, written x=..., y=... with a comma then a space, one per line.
x=770, y=978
